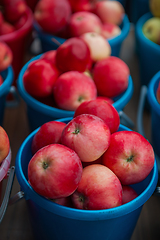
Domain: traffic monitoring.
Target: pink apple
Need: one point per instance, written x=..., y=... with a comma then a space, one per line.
x=4, y=144
x=111, y=76
x=102, y=109
x=48, y=133
x=6, y=56
x=110, y=30
x=55, y=171
x=99, y=188
x=130, y=156
x=40, y=77
x=72, y=88
x=98, y=45
x=110, y=11
x=83, y=22
x=88, y=136
x=128, y=194
x=158, y=93
x=73, y=55
x=52, y=15
x=82, y=5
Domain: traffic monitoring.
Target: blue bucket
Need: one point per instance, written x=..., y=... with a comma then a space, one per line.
x=52, y=221
x=7, y=76
x=39, y=113
x=48, y=42
x=137, y=9
x=148, y=52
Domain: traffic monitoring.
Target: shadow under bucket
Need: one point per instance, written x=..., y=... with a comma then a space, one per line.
x=51, y=42
x=39, y=113
x=52, y=221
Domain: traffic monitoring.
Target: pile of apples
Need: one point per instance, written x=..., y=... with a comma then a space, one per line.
x=82, y=164
x=70, y=18
x=151, y=27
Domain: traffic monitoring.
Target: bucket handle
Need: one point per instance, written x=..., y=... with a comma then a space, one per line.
x=16, y=100
x=140, y=128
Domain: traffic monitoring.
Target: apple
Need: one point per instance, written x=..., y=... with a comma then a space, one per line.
x=82, y=5
x=154, y=6
x=73, y=55
x=98, y=45
x=64, y=201
x=20, y=22
x=39, y=78
x=110, y=30
x=88, y=135
x=6, y=56
x=55, y=171
x=4, y=144
x=6, y=28
x=52, y=15
x=158, y=93
x=151, y=29
x=1, y=80
x=72, y=88
x=128, y=194
x=49, y=133
x=130, y=156
x=102, y=109
x=111, y=76
x=110, y=100
x=1, y=18
x=83, y=22
x=99, y=188
x=110, y=11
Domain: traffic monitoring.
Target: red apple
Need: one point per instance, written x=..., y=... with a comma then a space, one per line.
x=72, y=88
x=6, y=56
x=98, y=45
x=65, y=201
x=73, y=55
x=110, y=30
x=158, y=93
x=6, y=28
x=55, y=171
x=130, y=156
x=81, y=5
x=83, y=22
x=99, y=188
x=111, y=76
x=20, y=22
x=128, y=194
x=48, y=133
x=101, y=109
x=1, y=80
x=87, y=135
x=40, y=77
x=52, y=15
x=1, y=18
x=110, y=11
x=4, y=144
x=110, y=100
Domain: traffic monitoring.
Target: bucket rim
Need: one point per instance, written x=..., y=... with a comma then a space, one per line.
x=5, y=165
x=151, y=94
x=119, y=104
x=4, y=88
x=72, y=213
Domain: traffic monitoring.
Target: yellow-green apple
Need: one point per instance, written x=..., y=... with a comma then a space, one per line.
x=128, y=194
x=72, y=88
x=40, y=77
x=102, y=109
x=99, y=188
x=154, y=6
x=111, y=76
x=48, y=133
x=151, y=29
x=73, y=55
x=82, y=5
x=130, y=156
x=52, y=15
x=158, y=93
x=4, y=144
x=55, y=171
x=110, y=11
x=83, y=22
x=98, y=45
x=88, y=135
x=110, y=30
x=6, y=56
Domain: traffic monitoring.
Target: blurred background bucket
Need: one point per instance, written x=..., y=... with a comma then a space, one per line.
x=39, y=113
x=148, y=52
x=50, y=42
x=18, y=42
x=137, y=8
x=8, y=77
x=52, y=221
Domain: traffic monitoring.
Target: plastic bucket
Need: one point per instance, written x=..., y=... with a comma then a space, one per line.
x=49, y=42
x=39, y=113
x=148, y=52
x=52, y=221
x=18, y=41
x=138, y=8
x=7, y=76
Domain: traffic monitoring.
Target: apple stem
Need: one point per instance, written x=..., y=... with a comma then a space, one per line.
x=76, y=131
x=130, y=159
x=45, y=165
